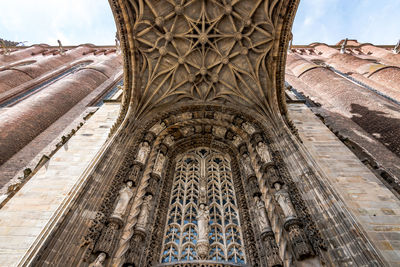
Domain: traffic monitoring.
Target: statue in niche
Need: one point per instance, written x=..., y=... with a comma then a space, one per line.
x=159, y=164
x=282, y=197
x=262, y=215
x=125, y=195
x=248, y=170
x=202, y=245
x=144, y=213
x=99, y=261
x=143, y=152
x=202, y=219
x=263, y=151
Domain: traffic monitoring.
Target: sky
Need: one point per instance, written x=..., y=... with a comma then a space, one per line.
x=90, y=21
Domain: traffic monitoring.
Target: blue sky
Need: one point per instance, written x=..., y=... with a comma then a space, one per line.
x=329, y=21
x=83, y=21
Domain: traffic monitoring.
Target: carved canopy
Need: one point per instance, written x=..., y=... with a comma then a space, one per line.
x=211, y=51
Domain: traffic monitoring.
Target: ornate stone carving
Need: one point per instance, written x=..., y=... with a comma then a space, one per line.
x=249, y=128
x=135, y=251
x=187, y=131
x=144, y=214
x=246, y=163
x=299, y=242
x=253, y=186
x=271, y=176
x=271, y=249
x=169, y=140
x=157, y=128
x=262, y=218
x=135, y=172
x=107, y=240
x=237, y=140
x=144, y=151
x=154, y=247
x=153, y=185
x=202, y=243
x=205, y=51
x=219, y=131
x=125, y=195
x=158, y=166
x=282, y=197
x=223, y=116
x=99, y=262
x=263, y=152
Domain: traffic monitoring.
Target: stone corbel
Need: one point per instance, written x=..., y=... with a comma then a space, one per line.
x=272, y=249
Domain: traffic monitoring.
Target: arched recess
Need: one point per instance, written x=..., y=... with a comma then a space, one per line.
x=143, y=152
x=262, y=30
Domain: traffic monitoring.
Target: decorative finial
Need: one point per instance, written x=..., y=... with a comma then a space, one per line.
x=60, y=47
x=343, y=48
x=396, y=49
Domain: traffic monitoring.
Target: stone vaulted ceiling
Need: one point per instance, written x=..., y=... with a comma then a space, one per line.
x=211, y=51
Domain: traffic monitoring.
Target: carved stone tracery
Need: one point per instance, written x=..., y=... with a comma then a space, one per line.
x=214, y=50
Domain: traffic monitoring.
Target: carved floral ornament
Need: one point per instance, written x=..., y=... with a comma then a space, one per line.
x=204, y=50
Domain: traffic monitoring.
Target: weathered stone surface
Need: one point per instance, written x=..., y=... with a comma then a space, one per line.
x=40, y=204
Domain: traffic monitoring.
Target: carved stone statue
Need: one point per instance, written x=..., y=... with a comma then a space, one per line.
x=246, y=162
x=169, y=140
x=203, y=190
x=263, y=152
x=157, y=128
x=99, y=261
x=144, y=213
x=237, y=140
x=219, y=131
x=261, y=213
x=125, y=195
x=202, y=243
x=282, y=197
x=249, y=128
x=143, y=152
x=158, y=166
x=202, y=219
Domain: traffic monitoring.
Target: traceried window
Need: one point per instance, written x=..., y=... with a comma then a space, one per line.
x=203, y=221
